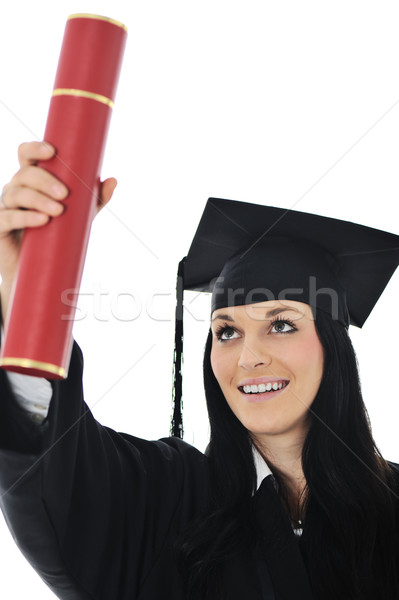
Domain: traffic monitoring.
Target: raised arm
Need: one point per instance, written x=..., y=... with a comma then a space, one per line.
x=96, y=513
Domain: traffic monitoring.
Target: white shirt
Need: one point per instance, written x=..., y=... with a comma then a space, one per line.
x=261, y=466
x=33, y=394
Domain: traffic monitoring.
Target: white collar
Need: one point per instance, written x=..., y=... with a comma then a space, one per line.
x=263, y=471
x=261, y=466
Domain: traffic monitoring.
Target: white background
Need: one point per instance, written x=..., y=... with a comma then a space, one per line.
x=293, y=104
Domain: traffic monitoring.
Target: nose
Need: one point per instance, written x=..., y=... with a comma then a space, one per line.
x=254, y=355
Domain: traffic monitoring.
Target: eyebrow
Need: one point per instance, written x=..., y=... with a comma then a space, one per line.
x=270, y=313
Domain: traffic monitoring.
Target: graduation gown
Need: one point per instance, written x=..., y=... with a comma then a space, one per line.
x=97, y=513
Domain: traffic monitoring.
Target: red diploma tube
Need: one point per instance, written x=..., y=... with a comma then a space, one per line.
x=38, y=331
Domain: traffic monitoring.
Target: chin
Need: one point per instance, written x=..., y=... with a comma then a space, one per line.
x=278, y=427
x=267, y=428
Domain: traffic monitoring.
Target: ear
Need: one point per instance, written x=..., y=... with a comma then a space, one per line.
x=106, y=190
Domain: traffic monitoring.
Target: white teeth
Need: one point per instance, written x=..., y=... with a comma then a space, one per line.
x=262, y=387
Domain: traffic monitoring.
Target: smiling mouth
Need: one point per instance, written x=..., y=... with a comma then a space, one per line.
x=263, y=388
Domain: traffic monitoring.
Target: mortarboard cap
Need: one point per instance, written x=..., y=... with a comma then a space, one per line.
x=245, y=253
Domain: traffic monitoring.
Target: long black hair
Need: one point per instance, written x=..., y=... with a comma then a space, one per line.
x=350, y=541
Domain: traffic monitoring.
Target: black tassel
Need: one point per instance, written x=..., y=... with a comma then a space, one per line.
x=177, y=418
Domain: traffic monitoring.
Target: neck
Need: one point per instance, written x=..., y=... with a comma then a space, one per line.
x=284, y=454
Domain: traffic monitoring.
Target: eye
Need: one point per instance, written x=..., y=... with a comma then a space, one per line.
x=283, y=326
x=225, y=333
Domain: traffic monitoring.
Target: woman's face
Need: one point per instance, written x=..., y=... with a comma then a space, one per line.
x=261, y=347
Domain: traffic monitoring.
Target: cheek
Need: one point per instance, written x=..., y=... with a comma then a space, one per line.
x=216, y=363
x=310, y=360
x=221, y=366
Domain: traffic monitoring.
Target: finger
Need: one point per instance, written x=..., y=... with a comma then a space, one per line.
x=26, y=198
x=30, y=152
x=38, y=179
x=106, y=191
x=12, y=220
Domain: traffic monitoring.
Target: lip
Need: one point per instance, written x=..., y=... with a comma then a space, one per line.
x=266, y=396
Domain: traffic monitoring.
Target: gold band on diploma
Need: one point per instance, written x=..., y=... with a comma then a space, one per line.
x=27, y=363
x=83, y=94
x=99, y=18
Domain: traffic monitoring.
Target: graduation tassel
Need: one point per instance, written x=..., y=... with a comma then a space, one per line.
x=177, y=392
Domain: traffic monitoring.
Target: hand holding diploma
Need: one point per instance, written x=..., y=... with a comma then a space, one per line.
x=31, y=199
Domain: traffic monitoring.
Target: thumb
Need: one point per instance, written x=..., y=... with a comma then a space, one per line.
x=106, y=190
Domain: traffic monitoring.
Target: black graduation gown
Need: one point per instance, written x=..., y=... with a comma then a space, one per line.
x=97, y=513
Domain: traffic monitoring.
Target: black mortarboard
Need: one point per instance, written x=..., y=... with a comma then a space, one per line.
x=245, y=253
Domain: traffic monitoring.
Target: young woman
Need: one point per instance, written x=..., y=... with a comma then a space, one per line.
x=291, y=500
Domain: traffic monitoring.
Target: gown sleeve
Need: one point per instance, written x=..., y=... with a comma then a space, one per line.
x=92, y=510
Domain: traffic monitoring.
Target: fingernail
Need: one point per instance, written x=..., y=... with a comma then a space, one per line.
x=58, y=191
x=40, y=218
x=48, y=147
x=57, y=208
